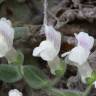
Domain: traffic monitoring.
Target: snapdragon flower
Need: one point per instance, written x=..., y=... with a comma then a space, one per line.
x=6, y=36
x=49, y=48
x=14, y=92
x=80, y=54
x=6, y=41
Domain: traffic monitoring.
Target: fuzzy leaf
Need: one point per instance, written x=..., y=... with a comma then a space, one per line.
x=57, y=92
x=35, y=77
x=9, y=73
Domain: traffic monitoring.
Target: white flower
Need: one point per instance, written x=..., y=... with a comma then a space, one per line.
x=94, y=84
x=46, y=51
x=80, y=54
x=15, y=92
x=49, y=48
x=6, y=36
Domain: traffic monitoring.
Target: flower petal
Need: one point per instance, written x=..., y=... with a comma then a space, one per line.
x=36, y=51
x=78, y=55
x=6, y=30
x=6, y=27
x=3, y=46
x=15, y=92
x=53, y=36
x=46, y=51
x=85, y=40
x=65, y=54
x=6, y=36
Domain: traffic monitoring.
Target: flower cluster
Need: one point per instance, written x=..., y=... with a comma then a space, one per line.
x=48, y=49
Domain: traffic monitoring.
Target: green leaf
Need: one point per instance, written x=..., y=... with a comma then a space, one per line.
x=9, y=73
x=35, y=77
x=57, y=92
x=91, y=79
